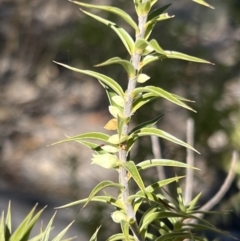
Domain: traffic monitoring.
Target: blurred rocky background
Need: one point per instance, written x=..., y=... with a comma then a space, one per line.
x=41, y=102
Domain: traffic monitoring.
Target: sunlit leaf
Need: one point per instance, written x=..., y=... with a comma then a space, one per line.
x=111, y=9
x=126, y=64
x=161, y=134
x=90, y=135
x=178, y=55
x=110, y=149
x=119, y=236
x=111, y=125
x=125, y=230
x=99, y=187
x=162, y=162
x=105, y=79
x=122, y=34
x=105, y=199
x=202, y=2
x=159, y=92
x=132, y=169
x=174, y=236
x=114, y=139
x=142, y=78
x=156, y=12
x=143, y=100
x=149, y=123
x=94, y=236
x=107, y=160
x=192, y=204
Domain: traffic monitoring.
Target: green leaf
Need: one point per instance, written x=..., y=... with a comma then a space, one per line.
x=162, y=162
x=22, y=232
x=94, y=236
x=126, y=17
x=158, y=92
x=174, y=236
x=8, y=228
x=149, y=123
x=99, y=187
x=103, y=78
x=115, y=111
x=202, y=2
x=177, y=55
x=143, y=100
x=120, y=124
x=106, y=160
x=105, y=199
x=90, y=135
x=125, y=230
x=126, y=64
x=119, y=216
x=142, y=78
x=192, y=204
x=162, y=134
x=118, y=100
x=140, y=45
x=154, y=186
x=149, y=26
x=156, y=12
x=95, y=147
x=62, y=233
x=154, y=44
x=153, y=216
x=119, y=236
x=48, y=229
x=132, y=169
x=122, y=34
x=2, y=228
x=114, y=139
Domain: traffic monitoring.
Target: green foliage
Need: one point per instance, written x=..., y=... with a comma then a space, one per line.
x=22, y=233
x=161, y=218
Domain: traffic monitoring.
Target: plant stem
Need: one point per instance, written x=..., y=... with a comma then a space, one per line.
x=123, y=177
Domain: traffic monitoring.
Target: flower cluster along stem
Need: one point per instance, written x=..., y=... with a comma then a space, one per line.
x=123, y=177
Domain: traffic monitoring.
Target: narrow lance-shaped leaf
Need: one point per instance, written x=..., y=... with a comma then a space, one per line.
x=161, y=134
x=94, y=236
x=104, y=199
x=143, y=100
x=132, y=169
x=99, y=187
x=162, y=162
x=149, y=123
x=48, y=228
x=126, y=64
x=158, y=92
x=105, y=79
x=174, y=236
x=90, y=135
x=123, y=35
x=2, y=227
x=125, y=230
x=62, y=233
x=119, y=236
x=204, y=3
x=126, y=17
x=158, y=11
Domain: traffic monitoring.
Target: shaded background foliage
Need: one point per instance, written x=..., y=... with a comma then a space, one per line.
x=40, y=102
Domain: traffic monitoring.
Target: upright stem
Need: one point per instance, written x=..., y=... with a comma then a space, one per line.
x=123, y=178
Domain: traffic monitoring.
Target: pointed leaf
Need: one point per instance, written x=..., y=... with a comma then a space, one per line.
x=125, y=230
x=162, y=162
x=126, y=64
x=62, y=233
x=95, y=147
x=174, y=236
x=142, y=78
x=126, y=17
x=99, y=187
x=158, y=92
x=178, y=55
x=158, y=11
x=119, y=236
x=202, y=2
x=162, y=134
x=132, y=169
x=90, y=135
x=122, y=34
x=48, y=228
x=192, y=204
x=2, y=228
x=154, y=44
x=120, y=124
x=108, y=161
x=8, y=228
x=143, y=100
x=103, y=78
x=105, y=199
x=149, y=123
x=140, y=45
x=114, y=139
x=94, y=236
